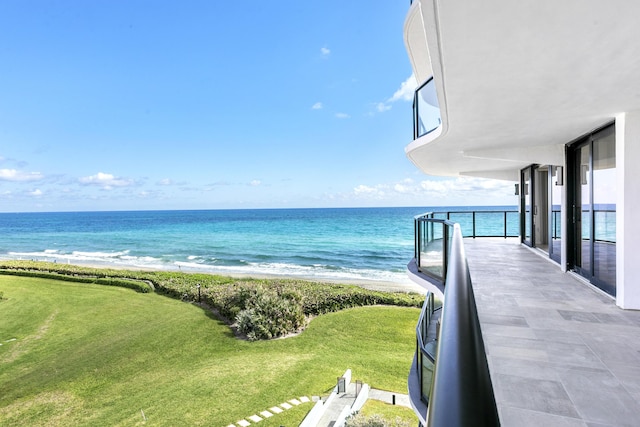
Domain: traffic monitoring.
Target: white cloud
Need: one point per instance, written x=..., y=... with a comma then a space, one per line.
x=165, y=181
x=364, y=189
x=255, y=183
x=381, y=107
x=105, y=180
x=434, y=191
x=377, y=192
x=406, y=91
x=36, y=193
x=325, y=51
x=342, y=116
x=401, y=188
x=317, y=106
x=18, y=176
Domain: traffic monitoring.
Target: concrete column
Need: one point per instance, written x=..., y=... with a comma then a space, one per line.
x=564, y=224
x=627, y=209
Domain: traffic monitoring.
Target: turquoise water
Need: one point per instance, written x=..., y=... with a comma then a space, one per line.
x=333, y=244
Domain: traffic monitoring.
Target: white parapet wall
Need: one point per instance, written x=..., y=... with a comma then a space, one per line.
x=347, y=377
x=342, y=418
x=314, y=415
x=361, y=399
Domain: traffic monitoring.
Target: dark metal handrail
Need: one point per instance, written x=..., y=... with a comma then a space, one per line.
x=462, y=393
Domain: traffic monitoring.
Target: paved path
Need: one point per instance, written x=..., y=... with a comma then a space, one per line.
x=332, y=411
x=346, y=399
x=387, y=397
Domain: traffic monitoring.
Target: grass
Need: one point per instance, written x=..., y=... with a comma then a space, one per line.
x=87, y=354
x=389, y=412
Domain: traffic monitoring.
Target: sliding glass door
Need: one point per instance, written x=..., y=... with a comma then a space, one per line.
x=555, y=219
x=593, y=208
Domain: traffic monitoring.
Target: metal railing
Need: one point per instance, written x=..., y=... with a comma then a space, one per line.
x=482, y=223
x=432, y=239
x=426, y=111
x=456, y=384
x=433, y=232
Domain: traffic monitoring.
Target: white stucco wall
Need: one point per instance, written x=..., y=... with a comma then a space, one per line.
x=628, y=210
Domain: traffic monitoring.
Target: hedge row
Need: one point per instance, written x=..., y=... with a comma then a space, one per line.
x=136, y=285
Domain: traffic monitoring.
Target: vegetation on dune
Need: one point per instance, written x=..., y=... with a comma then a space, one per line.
x=261, y=308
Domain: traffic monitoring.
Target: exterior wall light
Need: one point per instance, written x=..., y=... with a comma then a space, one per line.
x=559, y=176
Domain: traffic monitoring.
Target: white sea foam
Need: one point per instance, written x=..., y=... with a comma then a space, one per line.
x=99, y=255
x=44, y=254
x=120, y=258
x=195, y=263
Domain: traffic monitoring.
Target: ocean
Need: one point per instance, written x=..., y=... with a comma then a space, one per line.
x=350, y=244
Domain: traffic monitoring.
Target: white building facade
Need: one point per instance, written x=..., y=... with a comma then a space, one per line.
x=545, y=94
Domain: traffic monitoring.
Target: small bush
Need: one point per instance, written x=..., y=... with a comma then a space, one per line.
x=269, y=314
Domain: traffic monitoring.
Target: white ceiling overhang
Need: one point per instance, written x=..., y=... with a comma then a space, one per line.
x=516, y=80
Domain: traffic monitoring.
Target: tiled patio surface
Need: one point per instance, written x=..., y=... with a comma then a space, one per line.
x=560, y=353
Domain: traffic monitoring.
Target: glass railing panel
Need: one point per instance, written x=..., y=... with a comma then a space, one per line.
x=426, y=377
x=513, y=223
x=426, y=112
x=465, y=220
x=427, y=346
x=431, y=248
x=483, y=223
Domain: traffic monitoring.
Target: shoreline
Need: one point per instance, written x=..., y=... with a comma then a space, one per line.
x=371, y=284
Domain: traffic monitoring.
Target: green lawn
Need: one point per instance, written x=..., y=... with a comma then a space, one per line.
x=100, y=355
x=389, y=412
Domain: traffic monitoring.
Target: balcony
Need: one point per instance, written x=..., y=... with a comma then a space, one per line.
x=426, y=111
x=449, y=382
x=559, y=351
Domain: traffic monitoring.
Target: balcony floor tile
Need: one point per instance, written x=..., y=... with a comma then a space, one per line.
x=560, y=352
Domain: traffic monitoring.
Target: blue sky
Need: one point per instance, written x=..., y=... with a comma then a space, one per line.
x=112, y=105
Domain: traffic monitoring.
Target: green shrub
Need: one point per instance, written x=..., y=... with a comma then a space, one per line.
x=269, y=314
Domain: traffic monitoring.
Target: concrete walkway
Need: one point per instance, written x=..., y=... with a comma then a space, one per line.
x=333, y=410
x=560, y=352
x=388, y=397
